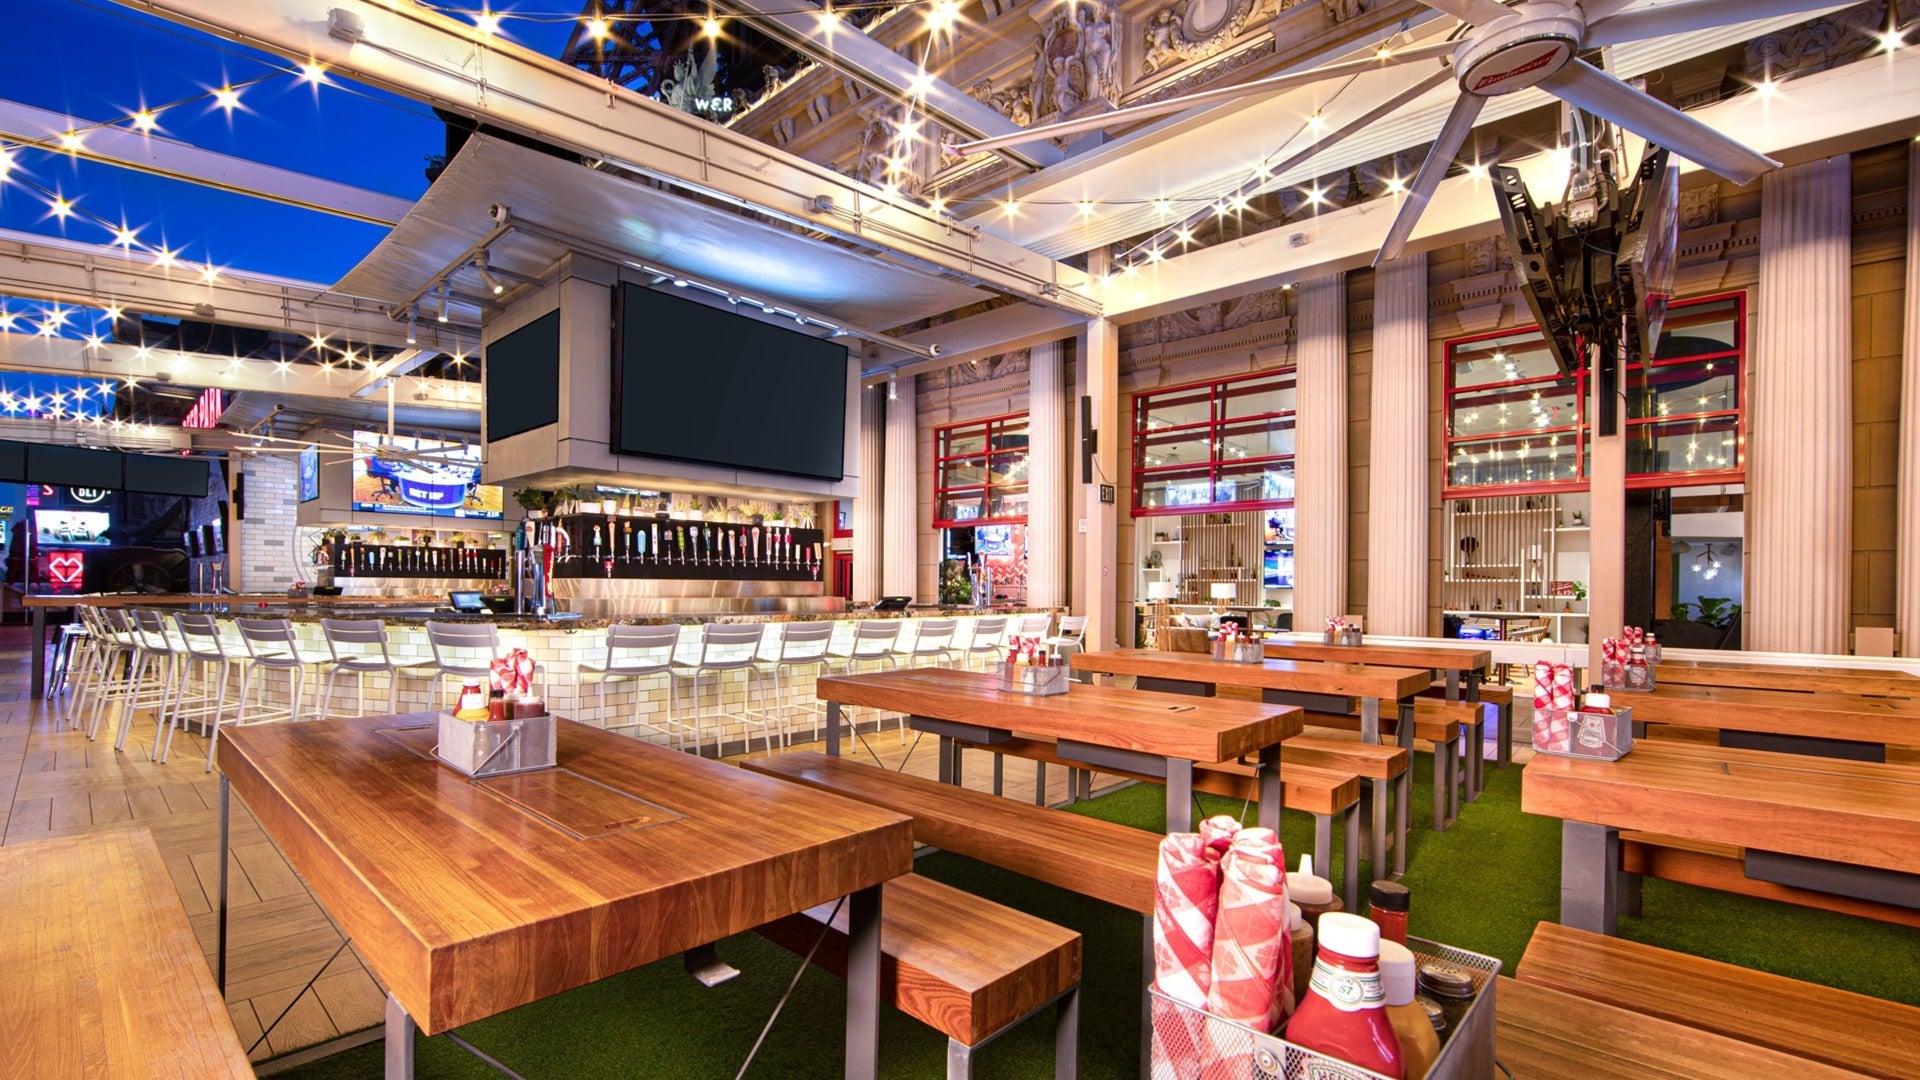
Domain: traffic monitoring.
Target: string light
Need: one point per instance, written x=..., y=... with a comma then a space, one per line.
x=314, y=72
x=710, y=27
x=486, y=22
x=146, y=120
x=70, y=141
x=597, y=29
x=227, y=98
x=1766, y=88
x=1892, y=39
x=62, y=208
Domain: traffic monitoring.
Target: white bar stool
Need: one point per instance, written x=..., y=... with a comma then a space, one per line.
x=873, y=641
x=115, y=664
x=149, y=674
x=635, y=653
x=802, y=645
x=728, y=647
x=460, y=651
x=986, y=644
x=202, y=647
x=357, y=647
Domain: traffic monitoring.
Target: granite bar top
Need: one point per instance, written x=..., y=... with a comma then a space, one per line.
x=402, y=613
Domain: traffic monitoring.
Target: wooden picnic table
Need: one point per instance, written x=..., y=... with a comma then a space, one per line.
x=468, y=898
x=1312, y=685
x=1822, y=724
x=1846, y=827
x=1788, y=677
x=1463, y=669
x=1159, y=735
x=104, y=975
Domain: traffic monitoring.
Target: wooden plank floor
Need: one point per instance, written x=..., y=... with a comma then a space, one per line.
x=54, y=782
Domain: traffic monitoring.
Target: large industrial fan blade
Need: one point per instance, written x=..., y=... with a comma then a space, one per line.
x=1586, y=86
x=1475, y=12
x=1453, y=133
x=1686, y=17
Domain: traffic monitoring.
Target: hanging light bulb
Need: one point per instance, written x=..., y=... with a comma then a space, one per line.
x=227, y=98
x=597, y=28
x=710, y=27
x=146, y=120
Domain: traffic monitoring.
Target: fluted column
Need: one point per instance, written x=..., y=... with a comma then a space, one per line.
x=1320, y=455
x=1046, y=475
x=1397, y=468
x=867, y=505
x=900, y=571
x=1907, y=598
x=1800, y=452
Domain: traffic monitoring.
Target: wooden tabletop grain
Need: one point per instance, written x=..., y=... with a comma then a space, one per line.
x=472, y=897
x=1856, y=812
x=1167, y=725
x=1300, y=676
x=1542, y=1033
x=103, y=974
x=1432, y=657
x=1894, y=721
x=1790, y=678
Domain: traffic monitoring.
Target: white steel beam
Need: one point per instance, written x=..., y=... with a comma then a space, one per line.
x=436, y=59
x=63, y=271
x=1016, y=326
x=853, y=52
x=161, y=156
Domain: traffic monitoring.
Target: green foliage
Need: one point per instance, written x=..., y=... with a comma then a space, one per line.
x=1718, y=611
x=955, y=586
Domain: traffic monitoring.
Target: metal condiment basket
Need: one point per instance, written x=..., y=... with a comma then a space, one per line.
x=495, y=747
x=1190, y=1042
x=1041, y=681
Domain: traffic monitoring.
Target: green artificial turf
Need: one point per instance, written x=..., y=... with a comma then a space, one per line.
x=1482, y=885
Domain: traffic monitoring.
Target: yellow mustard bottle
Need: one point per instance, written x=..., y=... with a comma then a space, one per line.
x=1419, y=1045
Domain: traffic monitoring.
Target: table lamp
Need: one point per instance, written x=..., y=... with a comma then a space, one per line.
x=1160, y=593
x=1222, y=591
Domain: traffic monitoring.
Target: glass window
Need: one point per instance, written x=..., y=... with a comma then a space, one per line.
x=1224, y=444
x=981, y=472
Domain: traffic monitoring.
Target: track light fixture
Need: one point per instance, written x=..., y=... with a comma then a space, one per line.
x=443, y=300
x=413, y=325
x=893, y=386
x=493, y=283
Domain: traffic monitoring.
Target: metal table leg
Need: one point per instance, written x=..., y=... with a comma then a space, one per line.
x=1589, y=876
x=1443, y=783
x=1272, y=797
x=1452, y=677
x=400, y=1029
x=1350, y=862
x=37, y=684
x=1402, y=815
x=833, y=729
x=1066, y=1036
x=945, y=760
x=1180, y=795
x=1370, y=720
x=863, y=984
x=1374, y=795
x=220, y=932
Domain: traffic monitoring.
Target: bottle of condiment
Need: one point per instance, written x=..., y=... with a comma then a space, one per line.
x=473, y=703
x=1639, y=675
x=1597, y=702
x=1300, y=936
x=497, y=706
x=1344, y=1013
x=1419, y=1043
x=1314, y=894
x=1387, y=905
x=1653, y=650
x=1449, y=985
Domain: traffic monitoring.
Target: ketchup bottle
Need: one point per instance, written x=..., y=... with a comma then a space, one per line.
x=1344, y=1015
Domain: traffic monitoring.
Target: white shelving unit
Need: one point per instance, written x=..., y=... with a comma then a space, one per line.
x=1504, y=555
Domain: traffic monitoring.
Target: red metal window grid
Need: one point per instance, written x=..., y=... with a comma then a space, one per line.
x=1002, y=454
x=1220, y=423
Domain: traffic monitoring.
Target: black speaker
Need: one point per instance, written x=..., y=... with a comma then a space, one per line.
x=1089, y=439
x=240, y=497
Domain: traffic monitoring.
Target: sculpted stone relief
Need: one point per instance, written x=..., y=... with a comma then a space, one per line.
x=1014, y=102
x=978, y=371
x=1078, y=61
x=1823, y=43
x=1699, y=207
x=1249, y=310
x=1194, y=30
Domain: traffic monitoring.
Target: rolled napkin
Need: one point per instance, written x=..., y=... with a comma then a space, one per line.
x=1216, y=834
x=1252, y=951
x=1186, y=900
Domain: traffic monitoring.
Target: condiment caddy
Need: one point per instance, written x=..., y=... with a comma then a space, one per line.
x=1594, y=729
x=1031, y=668
x=503, y=730
x=1341, y=630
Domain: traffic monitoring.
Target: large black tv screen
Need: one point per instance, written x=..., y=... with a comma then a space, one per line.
x=155, y=475
x=708, y=385
x=523, y=379
x=73, y=466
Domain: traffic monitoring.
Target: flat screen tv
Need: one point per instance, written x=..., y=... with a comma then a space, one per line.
x=309, y=474
x=709, y=385
x=402, y=475
x=74, y=466
x=153, y=474
x=13, y=462
x=522, y=373
x=70, y=527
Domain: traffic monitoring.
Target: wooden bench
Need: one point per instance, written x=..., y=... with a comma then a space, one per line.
x=1435, y=722
x=1500, y=696
x=961, y=964
x=1389, y=784
x=1329, y=794
x=104, y=974
x=1849, y=1031
x=1723, y=867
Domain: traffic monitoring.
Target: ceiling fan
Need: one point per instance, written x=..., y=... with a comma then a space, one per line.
x=1504, y=50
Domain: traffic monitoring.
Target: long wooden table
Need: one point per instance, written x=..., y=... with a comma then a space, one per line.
x=103, y=974
x=1828, y=725
x=468, y=898
x=1788, y=677
x=1463, y=669
x=1845, y=827
x=1158, y=735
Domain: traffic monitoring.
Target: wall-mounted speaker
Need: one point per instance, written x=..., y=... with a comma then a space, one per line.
x=240, y=497
x=1089, y=439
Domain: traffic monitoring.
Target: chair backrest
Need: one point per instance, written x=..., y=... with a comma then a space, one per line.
x=356, y=639
x=201, y=634
x=1034, y=625
x=935, y=634
x=634, y=649
x=268, y=639
x=150, y=629
x=731, y=641
x=805, y=640
x=1073, y=625
x=115, y=620
x=463, y=647
x=875, y=637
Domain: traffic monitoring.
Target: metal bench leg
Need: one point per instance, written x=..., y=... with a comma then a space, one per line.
x=1066, y=1037
x=999, y=772
x=1476, y=757
x=959, y=1060
x=1503, y=756
x=1350, y=857
x=1039, y=783
x=1402, y=815
x=1322, y=840
x=1376, y=803
x=958, y=780
x=1589, y=877
x=1627, y=888
x=1442, y=785
x=863, y=984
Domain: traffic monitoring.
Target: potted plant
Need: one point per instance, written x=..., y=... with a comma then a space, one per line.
x=532, y=502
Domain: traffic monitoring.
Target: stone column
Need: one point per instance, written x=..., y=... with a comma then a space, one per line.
x=1397, y=491
x=1098, y=573
x=1046, y=475
x=1800, y=452
x=900, y=563
x=1320, y=456
x=1907, y=592
x=867, y=506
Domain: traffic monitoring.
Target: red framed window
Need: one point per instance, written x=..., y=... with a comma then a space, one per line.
x=1222, y=445
x=980, y=472
x=842, y=518
x=1516, y=425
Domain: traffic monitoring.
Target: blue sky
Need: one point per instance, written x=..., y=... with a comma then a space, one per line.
x=97, y=61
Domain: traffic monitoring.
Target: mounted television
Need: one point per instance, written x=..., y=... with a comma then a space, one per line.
x=152, y=474
x=708, y=385
x=1278, y=570
x=993, y=540
x=74, y=466
x=401, y=475
x=66, y=528
x=522, y=372
x=13, y=462
x=309, y=474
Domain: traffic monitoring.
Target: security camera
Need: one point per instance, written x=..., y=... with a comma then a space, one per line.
x=499, y=212
x=935, y=350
